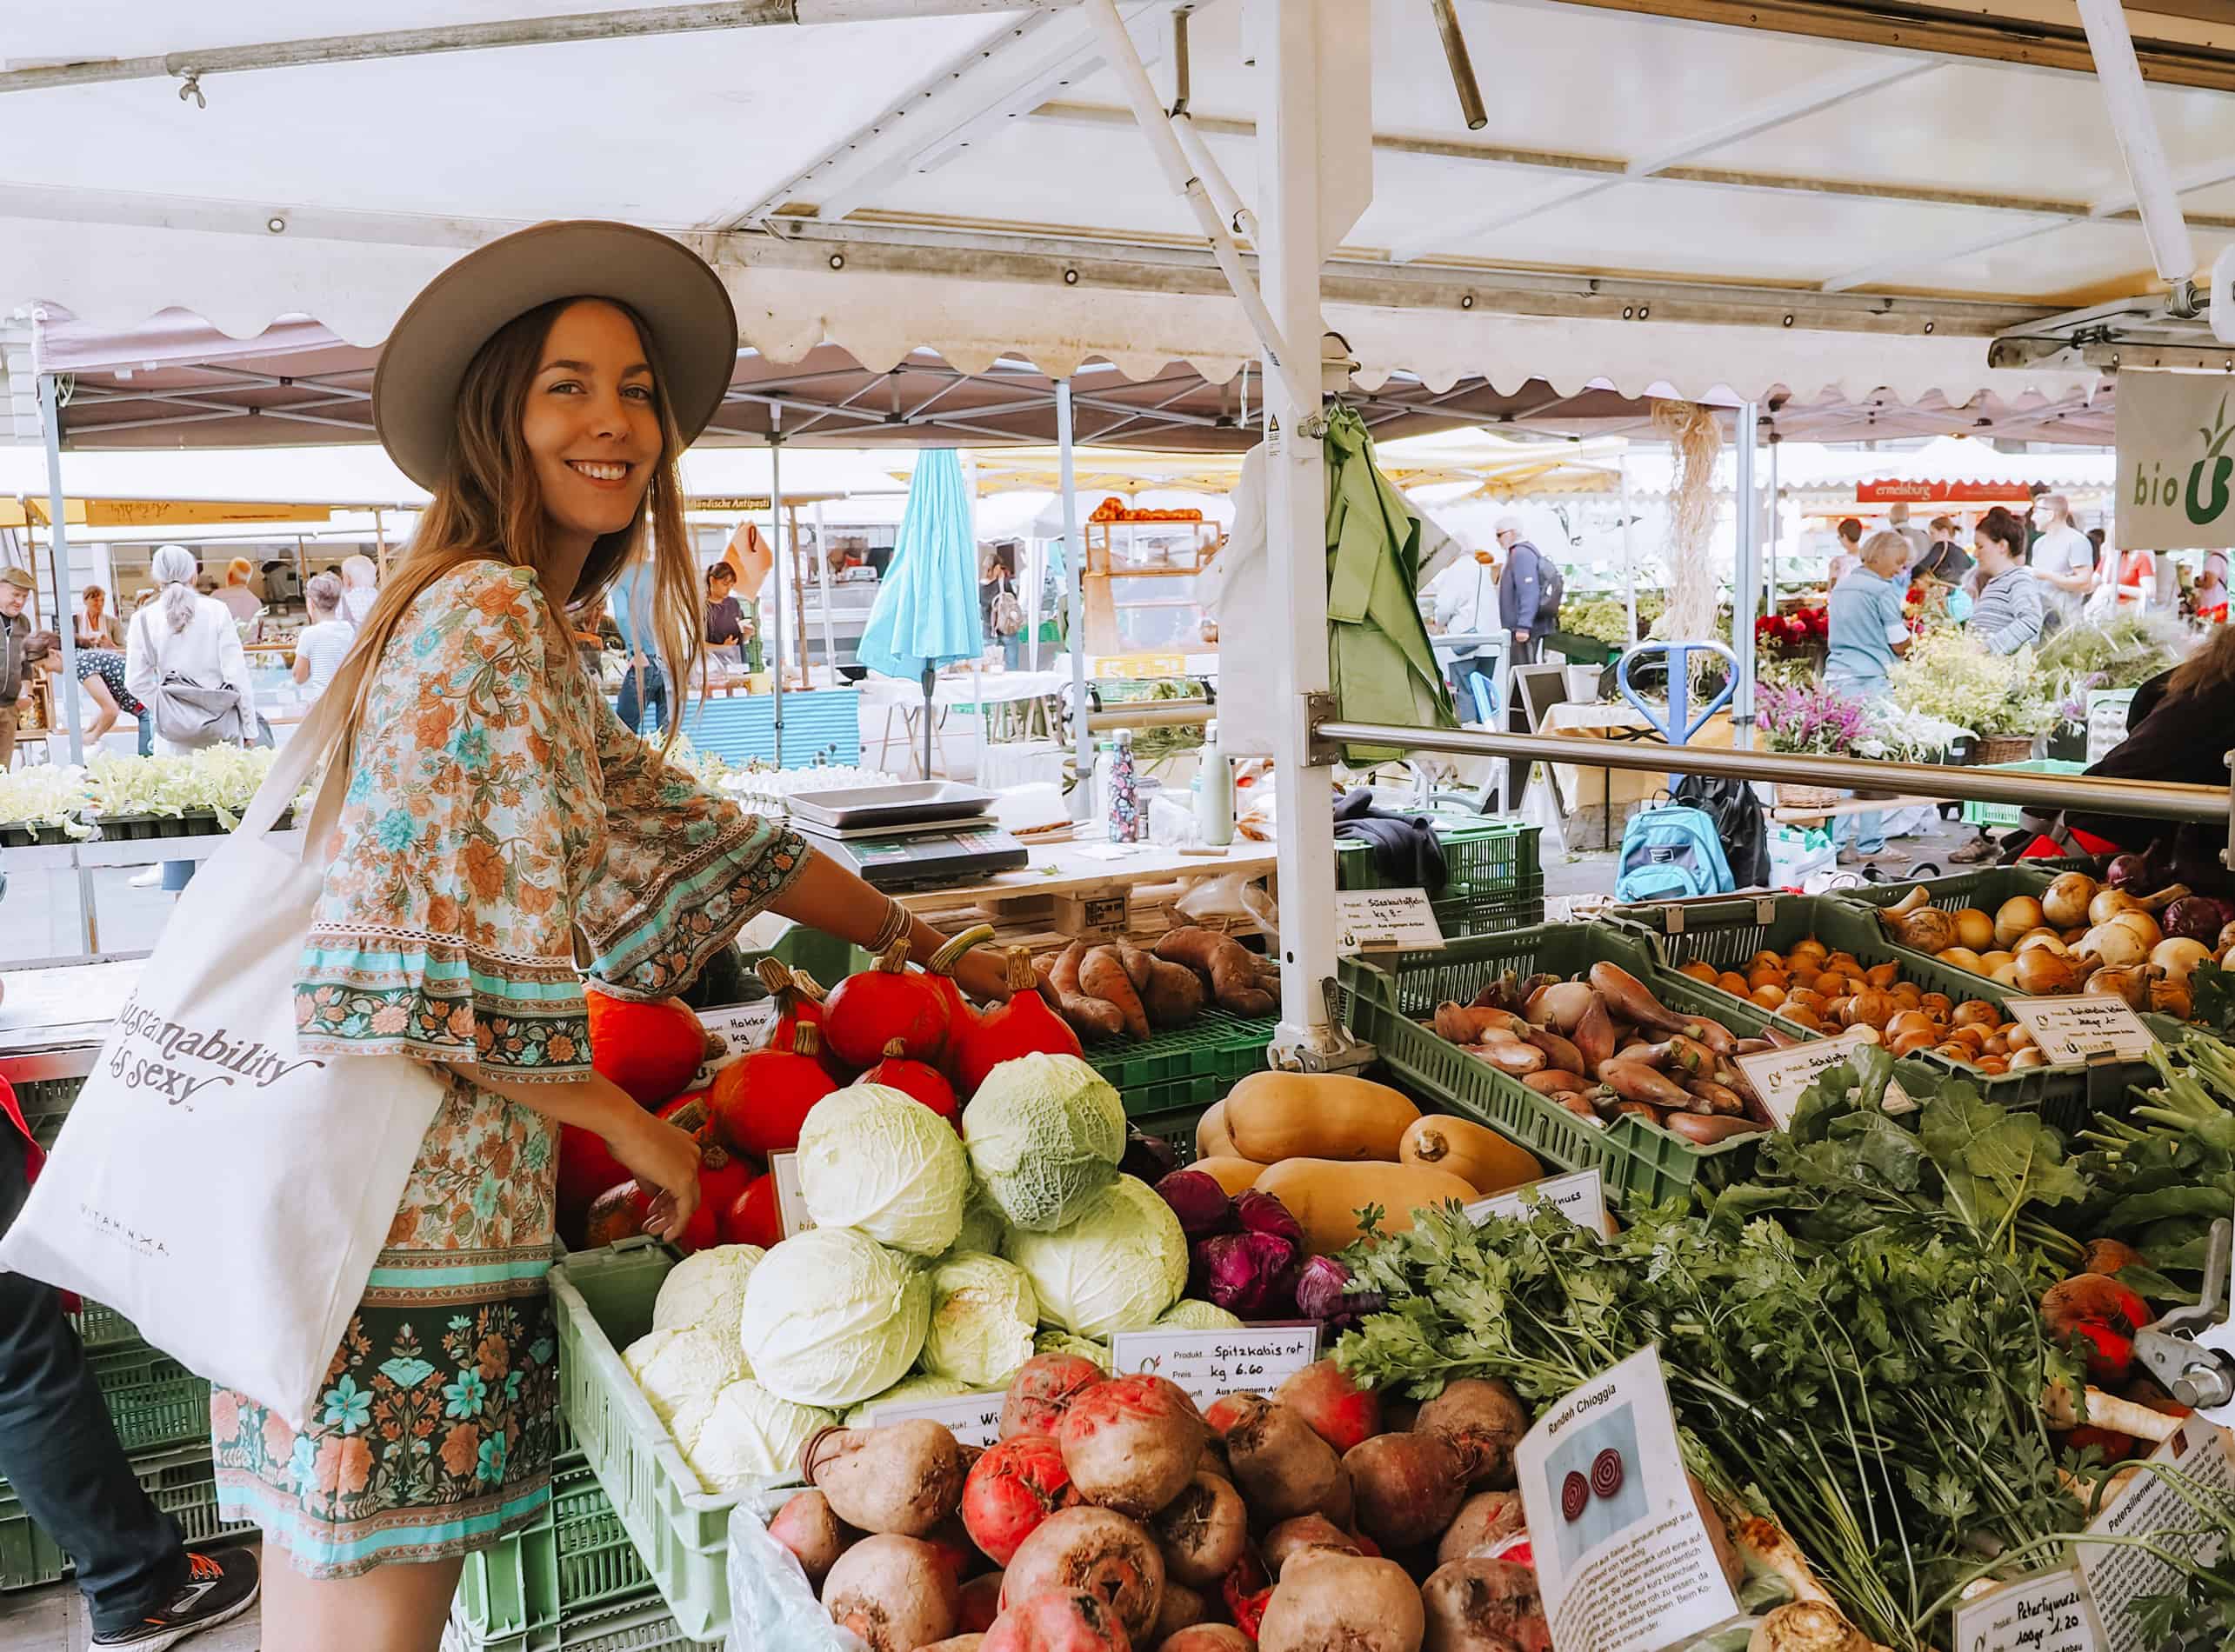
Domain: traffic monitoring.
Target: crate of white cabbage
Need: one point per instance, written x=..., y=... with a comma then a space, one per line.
x=605, y=1302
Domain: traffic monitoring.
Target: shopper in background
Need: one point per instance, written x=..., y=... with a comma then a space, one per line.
x=2211, y=588
x=240, y=601
x=1868, y=633
x=1849, y=556
x=1945, y=560
x=643, y=685
x=2132, y=577
x=726, y=630
x=96, y=626
x=1528, y=592
x=1920, y=545
x=2009, y=612
x=143, y=1587
x=325, y=642
x=16, y=587
x=101, y=674
x=360, y=587
x=192, y=638
x=1465, y=599
x=2062, y=559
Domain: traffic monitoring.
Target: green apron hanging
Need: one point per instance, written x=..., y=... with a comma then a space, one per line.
x=1379, y=660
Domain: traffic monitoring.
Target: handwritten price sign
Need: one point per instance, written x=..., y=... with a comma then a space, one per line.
x=1781, y=1077
x=2049, y=1613
x=973, y=1419
x=1211, y=1364
x=1381, y=919
x=2069, y=1030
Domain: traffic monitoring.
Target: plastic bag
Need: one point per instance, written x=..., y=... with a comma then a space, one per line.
x=772, y=1605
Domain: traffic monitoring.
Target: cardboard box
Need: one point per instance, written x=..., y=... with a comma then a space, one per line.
x=1094, y=917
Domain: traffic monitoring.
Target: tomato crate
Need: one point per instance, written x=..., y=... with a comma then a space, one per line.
x=183, y=1484
x=1728, y=930
x=1187, y=1066
x=603, y=1301
x=514, y=1597
x=1489, y=862
x=1641, y=1163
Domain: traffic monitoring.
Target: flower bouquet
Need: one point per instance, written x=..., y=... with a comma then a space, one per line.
x=2002, y=698
x=1810, y=718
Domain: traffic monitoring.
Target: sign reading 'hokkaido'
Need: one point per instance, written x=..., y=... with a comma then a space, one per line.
x=2176, y=461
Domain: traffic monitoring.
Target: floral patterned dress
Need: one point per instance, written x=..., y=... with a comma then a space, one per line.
x=498, y=810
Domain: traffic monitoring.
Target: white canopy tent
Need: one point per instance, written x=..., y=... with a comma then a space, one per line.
x=956, y=175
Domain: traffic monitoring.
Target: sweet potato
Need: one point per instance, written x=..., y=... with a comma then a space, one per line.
x=1208, y=1637
x=1102, y=976
x=1089, y=1017
x=806, y=1527
x=1058, y=1619
x=905, y=1477
x=1230, y=967
x=1337, y=1410
x=1174, y=994
x=1203, y=1532
x=1292, y=1537
x=1137, y=962
x=980, y=1603
x=1092, y=1551
x=1485, y=1519
x=1132, y=1443
x=1408, y=1486
x=1482, y=1605
x=1283, y=1467
x=895, y=1592
x=1344, y=1603
x=1184, y=1607
x=1483, y=1415
x=1041, y=1393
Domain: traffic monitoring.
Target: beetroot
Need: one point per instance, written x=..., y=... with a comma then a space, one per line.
x=1013, y=1488
x=1058, y=1619
x=1340, y=1601
x=1485, y=1520
x=1041, y=1393
x=1204, y=1532
x=1337, y=1410
x=980, y=1603
x=904, y=1477
x=1293, y=1537
x=1485, y=1603
x=1131, y=1443
x=1483, y=1416
x=806, y=1527
x=1094, y=1552
x=1229, y=1409
x=1408, y=1486
x=895, y=1592
x=1208, y=1637
x=1282, y=1466
x=952, y=1539
x=1182, y=1607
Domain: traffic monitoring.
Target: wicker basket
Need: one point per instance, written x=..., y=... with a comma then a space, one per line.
x=1792, y=796
x=2001, y=748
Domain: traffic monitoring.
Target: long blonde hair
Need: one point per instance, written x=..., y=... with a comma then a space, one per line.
x=488, y=508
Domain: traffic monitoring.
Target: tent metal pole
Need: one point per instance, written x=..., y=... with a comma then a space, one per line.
x=1075, y=588
x=1746, y=586
x=66, y=628
x=823, y=585
x=1629, y=552
x=1769, y=547
x=1295, y=510
x=775, y=574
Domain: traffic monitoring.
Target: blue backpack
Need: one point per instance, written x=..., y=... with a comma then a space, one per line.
x=1670, y=854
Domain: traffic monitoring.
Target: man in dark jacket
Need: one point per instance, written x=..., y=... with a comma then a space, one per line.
x=16, y=587
x=143, y=1587
x=1523, y=590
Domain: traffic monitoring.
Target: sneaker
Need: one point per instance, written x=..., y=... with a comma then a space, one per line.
x=149, y=879
x=220, y=1586
x=1980, y=849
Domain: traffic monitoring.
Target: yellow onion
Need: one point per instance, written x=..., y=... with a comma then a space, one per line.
x=2115, y=945
x=1928, y=928
x=2178, y=957
x=2172, y=997
x=2048, y=938
x=1974, y=930
x=2039, y=973
x=2109, y=903
x=2004, y=974
x=2141, y=925
x=2014, y=917
x=2065, y=901
x=2131, y=984
x=1962, y=957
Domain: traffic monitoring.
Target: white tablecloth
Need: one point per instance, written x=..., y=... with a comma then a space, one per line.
x=978, y=687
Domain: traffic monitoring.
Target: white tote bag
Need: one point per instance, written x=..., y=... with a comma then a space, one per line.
x=222, y=1191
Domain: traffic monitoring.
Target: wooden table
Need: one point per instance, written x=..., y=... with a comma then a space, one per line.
x=1020, y=904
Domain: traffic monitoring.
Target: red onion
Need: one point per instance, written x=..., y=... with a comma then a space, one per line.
x=2193, y=917
x=2132, y=873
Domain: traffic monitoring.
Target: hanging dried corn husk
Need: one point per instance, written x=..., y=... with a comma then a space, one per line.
x=1696, y=438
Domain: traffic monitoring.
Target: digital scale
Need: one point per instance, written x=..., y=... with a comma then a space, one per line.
x=914, y=836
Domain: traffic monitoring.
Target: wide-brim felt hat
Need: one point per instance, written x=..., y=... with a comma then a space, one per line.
x=681, y=300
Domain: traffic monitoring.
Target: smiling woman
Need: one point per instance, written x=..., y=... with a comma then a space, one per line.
x=500, y=824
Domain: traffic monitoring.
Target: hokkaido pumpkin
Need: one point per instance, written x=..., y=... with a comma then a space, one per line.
x=798, y=1004
x=1024, y=1026
x=761, y=1100
x=919, y=1079
x=962, y=1014
x=650, y=1049
x=586, y=1168
x=751, y=1218
x=872, y=1007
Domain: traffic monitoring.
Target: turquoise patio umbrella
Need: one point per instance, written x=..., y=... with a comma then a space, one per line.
x=926, y=611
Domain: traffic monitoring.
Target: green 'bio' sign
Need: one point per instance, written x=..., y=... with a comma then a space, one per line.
x=2176, y=461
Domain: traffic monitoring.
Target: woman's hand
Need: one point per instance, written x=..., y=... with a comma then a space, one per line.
x=664, y=1161
x=983, y=976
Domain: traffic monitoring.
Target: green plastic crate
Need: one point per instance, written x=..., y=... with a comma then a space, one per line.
x=649, y=1627
x=603, y=1301
x=2006, y=815
x=1728, y=930
x=101, y=1327
x=1641, y=1163
x=514, y=1597
x=1175, y=1127
x=1486, y=860
x=1187, y=1066
x=1986, y=888
x=183, y=1483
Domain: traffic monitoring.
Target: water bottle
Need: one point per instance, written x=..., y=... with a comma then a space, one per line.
x=1124, y=811
x=1214, y=793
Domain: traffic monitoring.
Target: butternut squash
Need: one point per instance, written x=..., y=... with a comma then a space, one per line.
x=1473, y=1152
x=1272, y=1116
x=1211, y=1141
x=1236, y=1175
x=1324, y=1195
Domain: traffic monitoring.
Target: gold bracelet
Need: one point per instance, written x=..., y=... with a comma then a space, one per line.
x=895, y=925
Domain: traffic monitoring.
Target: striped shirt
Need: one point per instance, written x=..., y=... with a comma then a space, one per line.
x=2007, y=615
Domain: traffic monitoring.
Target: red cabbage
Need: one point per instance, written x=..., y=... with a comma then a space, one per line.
x=1263, y=1213
x=1242, y=1271
x=1196, y=1199
x=2194, y=917
x=1323, y=1293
